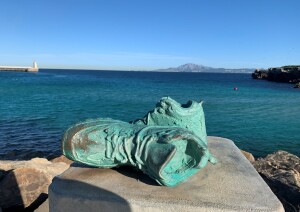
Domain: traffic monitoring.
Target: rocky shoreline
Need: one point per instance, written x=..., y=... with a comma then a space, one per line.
x=281, y=171
x=285, y=74
x=24, y=184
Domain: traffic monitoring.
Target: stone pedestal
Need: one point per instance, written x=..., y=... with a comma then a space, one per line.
x=231, y=185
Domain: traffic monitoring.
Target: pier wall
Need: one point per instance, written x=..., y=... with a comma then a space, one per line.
x=20, y=69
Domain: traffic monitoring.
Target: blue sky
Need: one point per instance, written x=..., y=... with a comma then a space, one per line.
x=144, y=35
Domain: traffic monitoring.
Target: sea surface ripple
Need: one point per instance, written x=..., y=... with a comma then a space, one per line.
x=36, y=108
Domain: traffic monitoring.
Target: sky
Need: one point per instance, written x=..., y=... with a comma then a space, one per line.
x=146, y=35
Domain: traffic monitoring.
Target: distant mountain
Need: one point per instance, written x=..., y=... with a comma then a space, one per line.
x=190, y=67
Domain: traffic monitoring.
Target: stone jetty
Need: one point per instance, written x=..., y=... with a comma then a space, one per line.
x=34, y=68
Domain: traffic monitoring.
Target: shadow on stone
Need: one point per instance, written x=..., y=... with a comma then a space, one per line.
x=136, y=174
x=42, y=198
x=76, y=164
x=128, y=171
x=62, y=189
x=22, y=189
x=10, y=195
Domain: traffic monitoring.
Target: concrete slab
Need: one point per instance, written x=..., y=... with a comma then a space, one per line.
x=231, y=185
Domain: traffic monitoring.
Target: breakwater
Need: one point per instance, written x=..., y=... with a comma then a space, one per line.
x=34, y=68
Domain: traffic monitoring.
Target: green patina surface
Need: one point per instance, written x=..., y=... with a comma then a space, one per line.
x=168, y=112
x=169, y=144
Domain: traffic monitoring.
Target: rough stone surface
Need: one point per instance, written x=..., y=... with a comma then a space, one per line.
x=260, y=74
x=281, y=170
x=63, y=159
x=51, y=169
x=248, y=155
x=230, y=185
x=28, y=175
x=21, y=187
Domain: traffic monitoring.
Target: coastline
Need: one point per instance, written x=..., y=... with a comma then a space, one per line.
x=284, y=74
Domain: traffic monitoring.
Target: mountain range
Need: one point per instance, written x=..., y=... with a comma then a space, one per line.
x=190, y=67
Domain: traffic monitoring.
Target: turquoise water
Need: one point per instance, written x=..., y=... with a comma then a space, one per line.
x=36, y=108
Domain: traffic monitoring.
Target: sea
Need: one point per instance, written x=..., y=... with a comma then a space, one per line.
x=261, y=117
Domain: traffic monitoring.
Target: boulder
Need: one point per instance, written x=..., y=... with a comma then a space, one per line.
x=260, y=74
x=297, y=85
x=51, y=169
x=23, y=187
x=281, y=171
x=248, y=155
x=63, y=159
x=25, y=184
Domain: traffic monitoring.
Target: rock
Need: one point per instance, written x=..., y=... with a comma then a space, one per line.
x=63, y=159
x=287, y=74
x=297, y=85
x=23, y=187
x=52, y=169
x=260, y=74
x=281, y=171
x=29, y=176
x=278, y=75
x=248, y=155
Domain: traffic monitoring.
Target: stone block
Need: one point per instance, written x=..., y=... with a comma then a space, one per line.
x=231, y=185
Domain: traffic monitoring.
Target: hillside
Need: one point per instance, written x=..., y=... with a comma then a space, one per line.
x=190, y=67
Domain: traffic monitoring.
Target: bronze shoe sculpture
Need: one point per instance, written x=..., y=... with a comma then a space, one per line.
x=168, y=154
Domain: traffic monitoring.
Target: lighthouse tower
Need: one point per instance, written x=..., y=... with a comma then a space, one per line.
x=34, y=67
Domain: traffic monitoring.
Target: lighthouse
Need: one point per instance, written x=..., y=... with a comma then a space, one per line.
x=34, y=67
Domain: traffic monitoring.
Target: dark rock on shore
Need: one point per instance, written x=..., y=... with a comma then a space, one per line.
x=297, y=85
x=260, y=74
x=286, y=74
x=281, y=171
